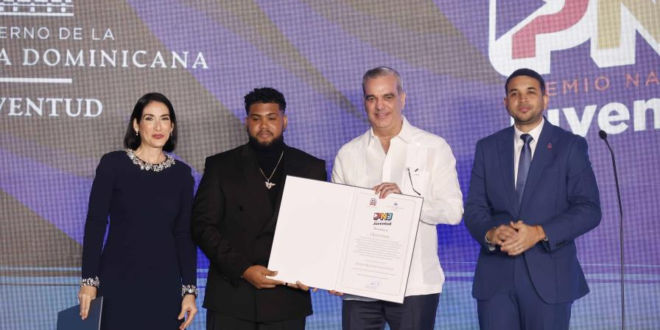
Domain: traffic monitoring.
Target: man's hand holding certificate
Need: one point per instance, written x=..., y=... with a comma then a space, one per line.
x=345, y=238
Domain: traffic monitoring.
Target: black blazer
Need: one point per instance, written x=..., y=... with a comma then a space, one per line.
x=233, y=223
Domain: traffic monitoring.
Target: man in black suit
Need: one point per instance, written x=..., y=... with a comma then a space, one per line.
x=234, y=218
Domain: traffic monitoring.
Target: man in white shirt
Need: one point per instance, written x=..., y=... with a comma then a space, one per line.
x=396, y=157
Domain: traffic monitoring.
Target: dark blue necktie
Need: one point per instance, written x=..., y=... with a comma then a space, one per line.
x=523, y=166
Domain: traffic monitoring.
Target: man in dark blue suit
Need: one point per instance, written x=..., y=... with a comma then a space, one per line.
x=532, y=193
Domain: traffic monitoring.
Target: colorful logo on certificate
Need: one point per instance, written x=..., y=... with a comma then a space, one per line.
x=383, y=219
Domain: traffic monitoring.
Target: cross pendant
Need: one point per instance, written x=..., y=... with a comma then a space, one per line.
x=269, y=185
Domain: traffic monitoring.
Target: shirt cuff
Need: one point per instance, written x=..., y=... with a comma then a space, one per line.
x=491, y=246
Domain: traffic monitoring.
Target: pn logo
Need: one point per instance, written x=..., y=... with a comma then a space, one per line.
x=48, y=8
x=525, y=34
x=383, y=219
x=383, y=216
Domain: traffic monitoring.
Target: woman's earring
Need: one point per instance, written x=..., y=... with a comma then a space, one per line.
x=136, y=133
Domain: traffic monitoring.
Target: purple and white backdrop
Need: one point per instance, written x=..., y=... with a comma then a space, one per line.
x=71, y=71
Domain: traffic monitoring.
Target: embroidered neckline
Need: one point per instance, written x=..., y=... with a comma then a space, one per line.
x=169, y=161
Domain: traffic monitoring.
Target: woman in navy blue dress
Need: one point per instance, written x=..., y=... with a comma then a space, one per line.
x=146, y=271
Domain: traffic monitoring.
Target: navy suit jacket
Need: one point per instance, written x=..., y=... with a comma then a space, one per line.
x=560, y=195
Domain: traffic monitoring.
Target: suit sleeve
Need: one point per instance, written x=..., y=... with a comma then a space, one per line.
x=320, y=172
x=584, y=211
x=97, y=217
x=478, y=219
x=207, y=226
x=443, y=201
x=185, y=246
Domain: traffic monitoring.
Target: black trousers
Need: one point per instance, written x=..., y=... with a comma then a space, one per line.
x=216, y=321
x=416, y=313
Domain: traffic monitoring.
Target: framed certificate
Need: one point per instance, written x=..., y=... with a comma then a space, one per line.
x=344, y=238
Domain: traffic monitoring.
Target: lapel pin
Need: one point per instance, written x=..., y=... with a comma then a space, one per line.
x=549, y=146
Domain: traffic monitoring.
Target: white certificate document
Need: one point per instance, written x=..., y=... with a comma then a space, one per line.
x=337, y=237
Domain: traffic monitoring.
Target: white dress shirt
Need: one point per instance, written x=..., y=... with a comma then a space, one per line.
x=518, y=144
x=416, y=161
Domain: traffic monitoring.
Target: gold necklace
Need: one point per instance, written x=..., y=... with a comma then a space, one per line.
x=268, y=183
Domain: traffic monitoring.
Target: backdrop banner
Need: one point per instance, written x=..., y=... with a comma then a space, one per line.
x=71, y=72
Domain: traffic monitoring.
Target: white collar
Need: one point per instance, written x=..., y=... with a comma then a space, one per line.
x=405, y=134
x=535, y=133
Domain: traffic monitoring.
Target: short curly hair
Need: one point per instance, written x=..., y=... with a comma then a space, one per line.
x=264, y=95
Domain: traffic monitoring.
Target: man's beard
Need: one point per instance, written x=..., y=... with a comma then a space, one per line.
x=275, y=144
